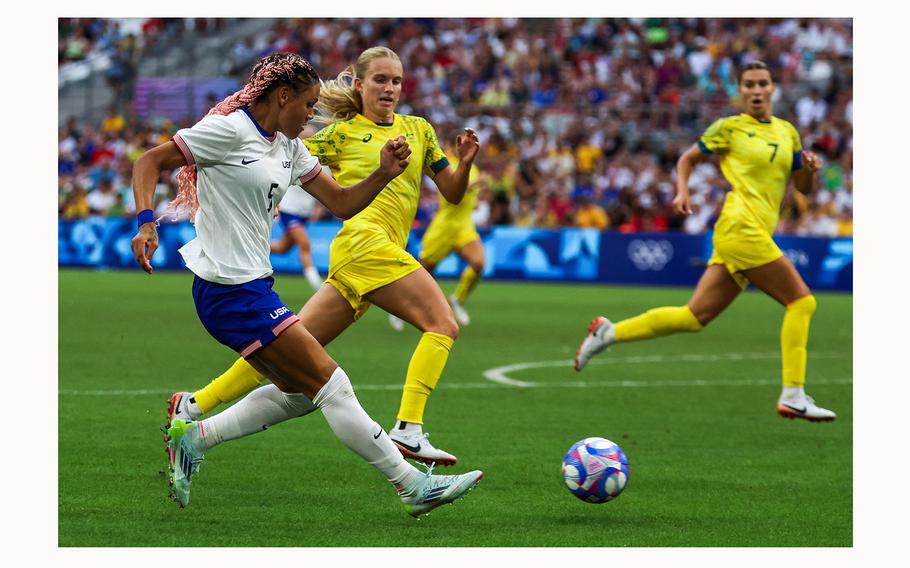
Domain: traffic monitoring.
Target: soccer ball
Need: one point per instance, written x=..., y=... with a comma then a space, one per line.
x=595, y=470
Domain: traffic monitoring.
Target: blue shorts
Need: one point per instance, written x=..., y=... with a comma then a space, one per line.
x=290, y=221
x=245, y=317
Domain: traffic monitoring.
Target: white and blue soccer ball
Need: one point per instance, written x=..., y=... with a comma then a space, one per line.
x=595, y=470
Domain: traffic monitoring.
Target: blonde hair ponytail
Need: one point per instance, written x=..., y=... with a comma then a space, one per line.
x=338, y=99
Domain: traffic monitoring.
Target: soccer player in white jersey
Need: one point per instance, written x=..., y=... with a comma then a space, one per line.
x=295, y=211
x=238, y=162
x=368, y=261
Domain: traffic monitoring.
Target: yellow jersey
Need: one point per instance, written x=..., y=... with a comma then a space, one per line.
x=351, y=150
x=459, y=214
x=756, y=158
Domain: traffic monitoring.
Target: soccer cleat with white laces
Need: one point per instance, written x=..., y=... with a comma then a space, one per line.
x=461, y=315
x=186, y=450
x=600, y=336
x=396, y=322
x=430, y=491
x=413, y=444
x=804, y=407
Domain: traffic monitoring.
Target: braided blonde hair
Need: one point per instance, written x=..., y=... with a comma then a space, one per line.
x=338, y=99
x=270, y=72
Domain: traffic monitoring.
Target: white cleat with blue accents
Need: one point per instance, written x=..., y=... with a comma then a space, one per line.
x=430, y=491
x=186, y=450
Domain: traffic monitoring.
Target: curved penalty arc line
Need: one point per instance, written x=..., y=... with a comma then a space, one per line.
x=501, y=376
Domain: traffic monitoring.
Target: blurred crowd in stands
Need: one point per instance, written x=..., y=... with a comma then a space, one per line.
x=580, y=120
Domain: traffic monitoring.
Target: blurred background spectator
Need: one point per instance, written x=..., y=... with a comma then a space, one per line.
x=580, y=120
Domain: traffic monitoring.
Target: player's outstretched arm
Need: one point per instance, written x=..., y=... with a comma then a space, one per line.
x=146, y=171
x=345, y=202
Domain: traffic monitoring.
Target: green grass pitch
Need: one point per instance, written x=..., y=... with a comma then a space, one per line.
x=711, y=462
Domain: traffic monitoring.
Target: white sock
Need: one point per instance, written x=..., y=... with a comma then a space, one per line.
x=264, y=407
x=354, y=427
x=312, y=276
x=793, y=393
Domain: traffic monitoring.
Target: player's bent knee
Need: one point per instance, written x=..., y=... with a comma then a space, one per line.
x=452, y=330
x=696, y=320
x=299, y=403
x=296, y=376
x=336, y=388
x=806, y=305
x=448, y=327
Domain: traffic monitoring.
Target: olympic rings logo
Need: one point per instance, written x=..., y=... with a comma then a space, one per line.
x=650, y=255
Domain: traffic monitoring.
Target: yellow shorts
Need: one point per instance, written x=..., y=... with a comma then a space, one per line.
x=738, y=252
x=383, y=264
x=440, y=240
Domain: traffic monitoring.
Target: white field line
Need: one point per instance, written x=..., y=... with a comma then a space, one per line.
x=498, y=376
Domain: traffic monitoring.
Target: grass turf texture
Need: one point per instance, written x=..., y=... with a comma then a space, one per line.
x=711, y=462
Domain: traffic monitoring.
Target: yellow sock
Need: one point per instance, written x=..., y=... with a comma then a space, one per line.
x=466, y=284
x=240, y=379
x=794, y=336
x=423, y=373
x=657, y=322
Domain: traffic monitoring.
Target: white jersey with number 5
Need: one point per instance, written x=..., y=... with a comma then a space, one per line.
x=243, y=172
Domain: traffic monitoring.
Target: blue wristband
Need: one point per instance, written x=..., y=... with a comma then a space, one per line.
x=145, y=216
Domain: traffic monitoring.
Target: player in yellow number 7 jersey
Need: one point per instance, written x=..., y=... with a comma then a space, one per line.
x=757, y=153
x=368, y=263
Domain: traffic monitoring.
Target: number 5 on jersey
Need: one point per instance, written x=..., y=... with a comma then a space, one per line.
x=272, y=189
